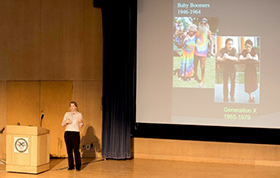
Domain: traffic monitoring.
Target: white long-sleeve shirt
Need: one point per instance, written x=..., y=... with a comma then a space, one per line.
x=75, y=125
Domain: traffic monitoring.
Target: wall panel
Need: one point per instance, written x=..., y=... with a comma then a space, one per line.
x=93, y=42
x=24, y=40
x=55, y=98
x=62, y=40
x=23, y=103
x=4, y=36
x=3, y=118
x=88, y=95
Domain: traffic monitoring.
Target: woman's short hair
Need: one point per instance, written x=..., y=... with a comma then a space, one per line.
x=249, y=42
x=227, y=40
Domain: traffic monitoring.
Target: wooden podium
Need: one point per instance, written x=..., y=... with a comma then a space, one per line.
x=27, y=149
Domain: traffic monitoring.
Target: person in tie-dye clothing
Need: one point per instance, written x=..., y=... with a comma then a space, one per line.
x=187, y=59
x=203, y=39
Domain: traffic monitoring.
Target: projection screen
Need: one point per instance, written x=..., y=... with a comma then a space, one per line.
x=208, y=62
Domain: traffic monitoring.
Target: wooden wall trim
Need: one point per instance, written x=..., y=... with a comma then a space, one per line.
x=208, y=152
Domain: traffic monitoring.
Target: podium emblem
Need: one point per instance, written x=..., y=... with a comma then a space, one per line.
x=21, y=145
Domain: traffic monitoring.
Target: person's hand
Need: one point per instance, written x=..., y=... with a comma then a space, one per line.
x=220, y=59
x=249, y=56
x=68, y=121
x=225, y=56
x=80, y=120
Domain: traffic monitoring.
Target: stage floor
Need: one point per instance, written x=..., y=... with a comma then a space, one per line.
x=135, y=168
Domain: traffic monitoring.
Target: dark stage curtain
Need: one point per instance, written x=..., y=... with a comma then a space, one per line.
x=119, y=75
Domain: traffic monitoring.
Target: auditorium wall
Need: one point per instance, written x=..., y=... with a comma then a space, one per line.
x=207, y=152
x=50, y=54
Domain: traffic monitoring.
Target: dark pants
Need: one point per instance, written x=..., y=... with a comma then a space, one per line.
x=72, y=140
x=229, y=72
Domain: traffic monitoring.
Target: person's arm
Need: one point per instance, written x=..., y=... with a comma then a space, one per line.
x=65, y=121
x=80, y=121
x=211, y=42
x=231, y=58
x=182, y=42
x=254, y=55
x=242, y=57
x=220, y=56
x=247, y=56
x=233, y=55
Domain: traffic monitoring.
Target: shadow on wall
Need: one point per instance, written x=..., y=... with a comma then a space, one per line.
x=90, y=144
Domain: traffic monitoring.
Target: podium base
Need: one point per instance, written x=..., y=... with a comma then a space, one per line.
x=28, y=169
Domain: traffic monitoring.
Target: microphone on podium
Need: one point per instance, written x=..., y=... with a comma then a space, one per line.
x=42, y=116
x=2, y=130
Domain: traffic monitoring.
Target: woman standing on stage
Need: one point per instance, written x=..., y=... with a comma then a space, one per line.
x=73, y=120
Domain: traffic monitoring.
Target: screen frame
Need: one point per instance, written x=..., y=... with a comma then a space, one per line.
x=234, y=134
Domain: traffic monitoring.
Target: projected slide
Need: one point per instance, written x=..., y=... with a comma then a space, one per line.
x=208, y=62
x=237, y=69
x=194, y=49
